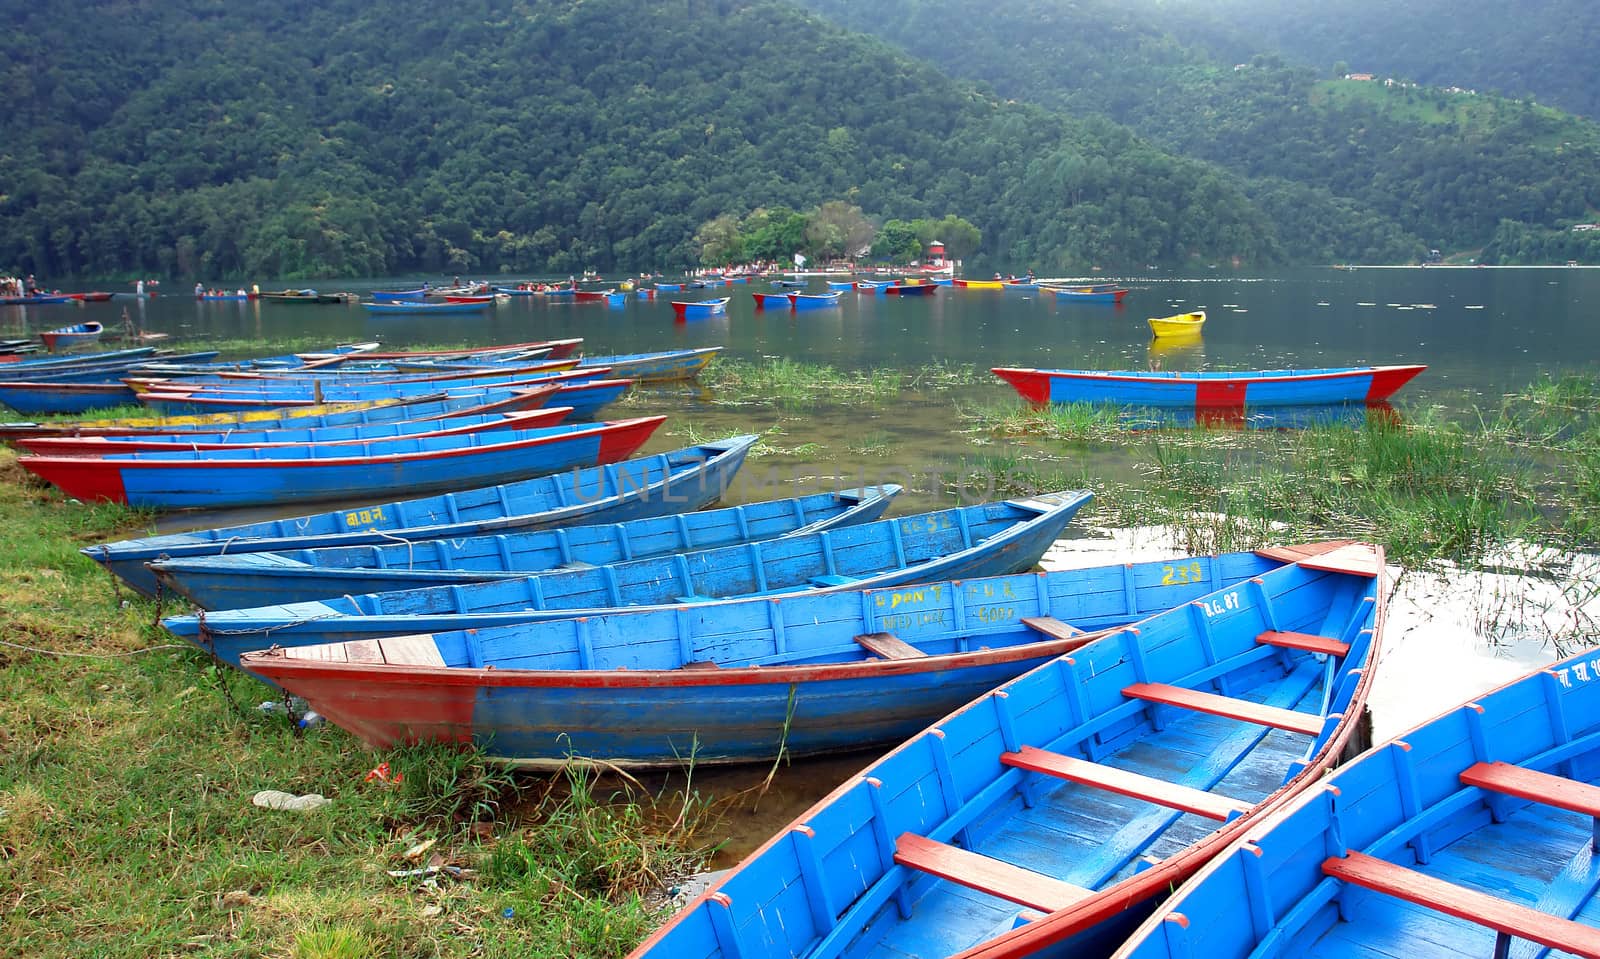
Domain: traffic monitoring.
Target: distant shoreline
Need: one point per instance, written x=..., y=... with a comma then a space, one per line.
x=1464, y=266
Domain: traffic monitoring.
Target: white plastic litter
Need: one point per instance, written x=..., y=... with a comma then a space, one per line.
x=276, y=799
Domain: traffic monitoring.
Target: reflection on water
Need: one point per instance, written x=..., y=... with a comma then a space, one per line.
x=1182, y=351
x=1354, y=415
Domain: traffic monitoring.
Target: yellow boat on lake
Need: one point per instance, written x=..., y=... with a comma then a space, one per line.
x=981, y=284
x=1180, y=324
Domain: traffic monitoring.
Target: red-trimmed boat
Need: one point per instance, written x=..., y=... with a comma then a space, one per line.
x=68, y=337
x=213, y=479
x=699, y=308
x=1210, y=390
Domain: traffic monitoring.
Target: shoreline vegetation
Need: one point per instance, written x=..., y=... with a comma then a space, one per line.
x=128, y=762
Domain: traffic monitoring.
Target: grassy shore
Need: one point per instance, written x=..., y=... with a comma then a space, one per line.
x=128, y=763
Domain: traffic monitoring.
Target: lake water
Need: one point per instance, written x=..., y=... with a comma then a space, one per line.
x=1482, y=332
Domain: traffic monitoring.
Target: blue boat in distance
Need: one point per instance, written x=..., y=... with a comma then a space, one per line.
x=813, y=301
x=239, y=580
x=1055, y=807
x=682, y=480
x=738, y=682
x=422, y=306
x=770, y=301
x=392, y=296
x=1474, y=834
x=945, y=544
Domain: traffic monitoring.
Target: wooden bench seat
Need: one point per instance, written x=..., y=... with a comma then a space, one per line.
x=1126, y=783
x=1295, y=722
x=1507, y=918
x=889, y=646
x=1530, y=784
x=985, y=874
x=1309, y=642
x=1052, y=627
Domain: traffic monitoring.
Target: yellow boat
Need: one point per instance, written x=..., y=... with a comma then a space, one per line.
x=1180, y=324
x=981, y=284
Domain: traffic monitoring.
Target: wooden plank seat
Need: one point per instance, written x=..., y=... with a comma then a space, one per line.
x=1227, y=706
x=888, y=646
x=986, y=874
x=1557, y=791
x=1508, y=919
x=1126, y=783
x=1052, y=627
x=1310, y=642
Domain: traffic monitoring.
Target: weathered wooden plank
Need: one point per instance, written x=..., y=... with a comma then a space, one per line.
x=1240, y=709
x=1307, y=641
x=1509, y=918
x=977, y=871
x=1126, y=783
x=888, y=646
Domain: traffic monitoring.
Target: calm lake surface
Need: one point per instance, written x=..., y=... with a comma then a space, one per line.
x=1482, y=332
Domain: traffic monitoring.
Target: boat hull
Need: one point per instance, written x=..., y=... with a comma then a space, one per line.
x=1239, y=390
x=663, y=484
x=218, y=479
x=296, y=576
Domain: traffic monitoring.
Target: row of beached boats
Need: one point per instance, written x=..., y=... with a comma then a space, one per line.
x=1132, y=758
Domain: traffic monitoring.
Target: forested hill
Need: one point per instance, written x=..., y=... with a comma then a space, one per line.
x=209, y=140
x=1461, y=171
x=213, y=140
x=1531, y=48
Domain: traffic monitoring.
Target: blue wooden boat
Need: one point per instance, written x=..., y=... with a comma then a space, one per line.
x=1064, y=800
x=792, y=284
x=109, y=371
x=457, y=424
x=812, y=301
x=661, y=367
x=464, y=402
x=35, y=299
x=874, y=286
x=947, y=544
x=771, y=301
x=294, y=576
x=394, y=296
x=515, y=291
x=1087, y=294
x=71, y=337
x=421, y=306
x=669, y=287
x=682, y=480
x=213, y=479
x=1210, y=390
x=1474, y=834
x=692, y=309
x=177, y=398
x=832, y=285
x=817, y=673
x=54, y=362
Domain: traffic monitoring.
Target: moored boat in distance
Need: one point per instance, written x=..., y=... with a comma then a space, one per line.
x=771, y=301
x=1457, y=838
x=422, y=306
x=71, y=337
x=812, y=301
x=1087, y=294
x=1179, y=324
x=848, y=669
x=1049, y=812
x=1210, y=389
x=688, y=309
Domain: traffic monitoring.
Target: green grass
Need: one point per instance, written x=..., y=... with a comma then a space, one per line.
x=126, y=773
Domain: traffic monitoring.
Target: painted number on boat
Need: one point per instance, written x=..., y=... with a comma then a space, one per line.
x=927, y=524
x=363, y=517
x=1582, y=671
x=1220, y=605
x=1178, y=575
